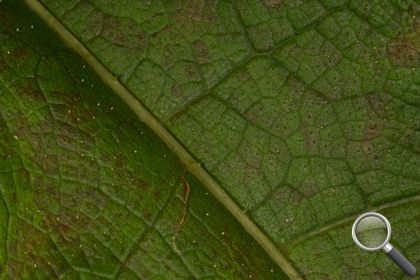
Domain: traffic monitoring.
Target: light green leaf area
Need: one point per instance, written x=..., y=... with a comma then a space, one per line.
x=306, y=112
x=89, y=192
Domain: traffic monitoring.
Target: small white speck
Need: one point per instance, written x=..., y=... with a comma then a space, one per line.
x=69, y=111
x=242, y=264
x=98, y=104
x=58, y=218
x=141, y=132
x=164, y=156
x=91, y=85
x=207, y=193
x=93, y=117
x=115, y=157
x=112, y=108
x=83, y=80
x=82, y=155
x=194, y=241
x=223, y=233
x=271, y=270
x=15, y=136
x=32, y=26
x=250, y=276
x=17, y=29
x=78, y=119
x=135, y=151
x=77, y=217
x=214, y=265
x=49, y=263
x=38, y=211
x=8, y=52
x=80, y=245
x=35, y=265
x=84, y=66
x=131, y=179
x=207, y=214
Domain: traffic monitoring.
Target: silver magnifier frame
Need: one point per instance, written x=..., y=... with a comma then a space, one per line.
x=393, y=253
x=371, y=214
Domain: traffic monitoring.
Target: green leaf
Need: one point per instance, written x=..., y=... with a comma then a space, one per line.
x=89, y=192
x=302, y=114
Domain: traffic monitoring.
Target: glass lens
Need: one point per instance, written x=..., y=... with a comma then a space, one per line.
x=371, y=232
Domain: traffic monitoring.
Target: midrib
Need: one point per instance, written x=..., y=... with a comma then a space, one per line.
x=186, y=158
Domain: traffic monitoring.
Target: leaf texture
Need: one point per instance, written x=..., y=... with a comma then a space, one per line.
x=306, y=113
x=89, y=192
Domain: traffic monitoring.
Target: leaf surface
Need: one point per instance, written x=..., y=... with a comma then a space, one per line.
x=307, y=114
x=89, y=192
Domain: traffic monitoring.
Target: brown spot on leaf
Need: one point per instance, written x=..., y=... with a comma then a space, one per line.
x=272, y=3
x=370, y=151
x=376, y=102
x=18, y=53
x=50, y=164
x=30, y=90
x=111, y=30
x=309, y=188
x=201, y=49
x=176, y=91
x=404, y=53
x=372, y=130
x=375, y=125
x=192, y=10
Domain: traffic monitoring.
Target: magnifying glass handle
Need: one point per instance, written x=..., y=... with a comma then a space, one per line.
x=401, y=261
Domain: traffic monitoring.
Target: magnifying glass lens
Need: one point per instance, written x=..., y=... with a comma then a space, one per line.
x=371, y=231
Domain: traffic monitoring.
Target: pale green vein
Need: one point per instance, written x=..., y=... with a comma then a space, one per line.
x=351, y=218
x=144, y=115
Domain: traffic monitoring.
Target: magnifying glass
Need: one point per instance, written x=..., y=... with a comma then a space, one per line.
x=371, y=231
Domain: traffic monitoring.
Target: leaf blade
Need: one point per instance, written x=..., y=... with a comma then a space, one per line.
x=87, y=190
x=322, y=101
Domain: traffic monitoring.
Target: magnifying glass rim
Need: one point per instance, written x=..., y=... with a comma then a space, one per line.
x=371, y=214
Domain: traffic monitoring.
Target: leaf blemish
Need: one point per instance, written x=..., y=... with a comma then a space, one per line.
x=186, y=193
